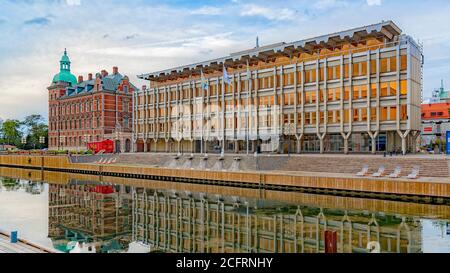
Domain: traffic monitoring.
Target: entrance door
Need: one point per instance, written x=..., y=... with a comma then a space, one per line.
x=127, y=146
x=117, y=146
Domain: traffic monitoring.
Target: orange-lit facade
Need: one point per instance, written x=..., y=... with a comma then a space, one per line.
x=434, y=111
x=354, y=91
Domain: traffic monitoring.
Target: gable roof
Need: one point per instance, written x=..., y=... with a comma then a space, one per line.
x=109, y=83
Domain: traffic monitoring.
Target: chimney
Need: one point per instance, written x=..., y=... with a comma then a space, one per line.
x=115, y=70
x=104, y=73
x=80, y=79
x=90, y=76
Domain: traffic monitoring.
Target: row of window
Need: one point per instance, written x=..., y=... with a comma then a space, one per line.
x=310, y=76
x=358, y=92
x=83, y=107
x=388, y=113
x=84, y=124
x=73, y=141
x=387, y=89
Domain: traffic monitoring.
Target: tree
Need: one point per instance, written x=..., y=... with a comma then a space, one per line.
x=35, y=128
x=11, y=132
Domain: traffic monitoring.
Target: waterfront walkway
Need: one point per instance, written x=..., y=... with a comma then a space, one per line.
x=22, y=246
x=432, y=167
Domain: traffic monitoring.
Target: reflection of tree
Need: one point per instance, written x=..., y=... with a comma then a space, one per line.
x=10, y=184
x=441, y=225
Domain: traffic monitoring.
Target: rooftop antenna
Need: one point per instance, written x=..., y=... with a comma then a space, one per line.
x=257, y=41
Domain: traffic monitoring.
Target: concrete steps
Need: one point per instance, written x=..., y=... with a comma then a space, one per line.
x=351, y=164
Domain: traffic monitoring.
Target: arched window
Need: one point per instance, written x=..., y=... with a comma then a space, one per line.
x=125, y=122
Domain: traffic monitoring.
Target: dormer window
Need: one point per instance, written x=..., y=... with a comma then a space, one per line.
x=125, y=89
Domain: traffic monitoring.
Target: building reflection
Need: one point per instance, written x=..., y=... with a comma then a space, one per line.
x=188, y=222
x=16, y=184
x=111, y=216
x=90, y=212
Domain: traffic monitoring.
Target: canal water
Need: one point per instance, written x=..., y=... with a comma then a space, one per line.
x=57, y=209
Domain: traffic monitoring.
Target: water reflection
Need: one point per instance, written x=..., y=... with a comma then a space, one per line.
x=11, y=184
x=90, y=212
x=175, y=217
x=187, y=222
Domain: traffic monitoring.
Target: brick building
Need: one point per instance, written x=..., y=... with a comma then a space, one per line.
x=82, y=111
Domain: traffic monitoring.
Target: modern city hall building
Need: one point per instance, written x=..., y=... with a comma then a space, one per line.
x=358, y=90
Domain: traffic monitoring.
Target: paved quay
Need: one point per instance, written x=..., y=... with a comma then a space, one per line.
x=22, y=246
x=318, y=173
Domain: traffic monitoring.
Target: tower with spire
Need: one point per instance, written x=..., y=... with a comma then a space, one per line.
x=64, y=75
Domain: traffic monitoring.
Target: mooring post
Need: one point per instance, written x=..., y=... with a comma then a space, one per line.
x=330, y=241
x=13, y=237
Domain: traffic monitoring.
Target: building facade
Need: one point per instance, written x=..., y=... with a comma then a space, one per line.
x=358, y=90
x=435, y=123
x=83, y=111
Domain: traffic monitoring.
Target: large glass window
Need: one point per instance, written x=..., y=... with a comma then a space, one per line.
x=403, y=87
x=393, y=88
x=359, y=143
x=333, y=143
x=311, y=143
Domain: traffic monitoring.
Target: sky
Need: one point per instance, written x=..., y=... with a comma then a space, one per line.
x=141, y=36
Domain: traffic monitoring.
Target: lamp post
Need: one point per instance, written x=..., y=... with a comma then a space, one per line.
x=24, y=140
x=42, y=140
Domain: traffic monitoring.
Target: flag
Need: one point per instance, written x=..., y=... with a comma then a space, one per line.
x=226, y=78
x=249, y=77
x=204, y=83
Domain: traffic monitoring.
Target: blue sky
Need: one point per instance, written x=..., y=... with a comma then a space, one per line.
x=146, y=35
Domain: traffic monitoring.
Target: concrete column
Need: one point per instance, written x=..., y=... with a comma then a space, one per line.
x=345, y=145
x=179, y=146
x=415, y=134
x=373, y=137
x=403, y=137
x=404, y=145
x=321, y=138
x=192, y=146
x=155, y=146
x=299, y=143
x=346, y=137
x=236, y=146
x=145, y=146
x=167, y=146
x=254, y=146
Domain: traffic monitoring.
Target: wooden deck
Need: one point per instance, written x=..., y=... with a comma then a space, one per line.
x=22, y=246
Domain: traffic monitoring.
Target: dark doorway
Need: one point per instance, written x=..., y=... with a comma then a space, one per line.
x=117, y=146
x=127, y=146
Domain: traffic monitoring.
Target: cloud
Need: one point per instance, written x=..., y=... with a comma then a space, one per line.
x=73, y=2
x=42, y=21
x=373, y=2
x=268, y=13
x=132, y=36
x=206, y=10
x=329, y=4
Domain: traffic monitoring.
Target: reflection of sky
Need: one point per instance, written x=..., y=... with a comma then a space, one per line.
x=26, y=213
x=434, y=237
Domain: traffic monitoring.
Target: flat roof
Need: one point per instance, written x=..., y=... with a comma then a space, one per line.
x=387, y=29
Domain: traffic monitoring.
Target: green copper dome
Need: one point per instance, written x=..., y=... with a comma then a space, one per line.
x=64, y=74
